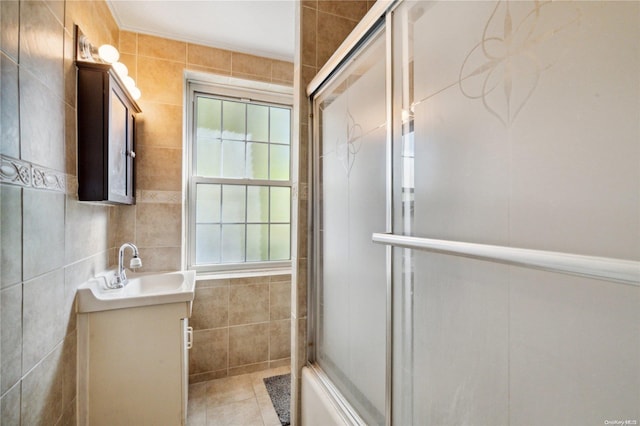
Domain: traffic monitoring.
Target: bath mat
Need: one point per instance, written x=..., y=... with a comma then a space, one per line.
x=279, y=388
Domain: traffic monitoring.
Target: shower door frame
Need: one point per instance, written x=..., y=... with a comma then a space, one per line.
x=625, y=272
x=378, y=21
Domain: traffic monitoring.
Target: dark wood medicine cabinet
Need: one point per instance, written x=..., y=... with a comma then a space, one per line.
x=106, y=117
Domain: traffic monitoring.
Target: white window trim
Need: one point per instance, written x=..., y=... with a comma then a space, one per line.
x=235, y=88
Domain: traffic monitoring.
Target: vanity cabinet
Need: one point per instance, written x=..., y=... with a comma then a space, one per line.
x=106, y=122
x=133, y=365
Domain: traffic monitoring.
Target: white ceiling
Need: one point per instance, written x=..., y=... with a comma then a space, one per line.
x=258, y=27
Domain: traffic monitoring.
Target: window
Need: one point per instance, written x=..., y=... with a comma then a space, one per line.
x=239, y=184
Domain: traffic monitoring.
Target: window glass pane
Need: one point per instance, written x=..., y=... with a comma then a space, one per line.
x=207, y=244
x=208, y=117
x=257, y=161
x=208, y=157
x=257, y=123
x=233, y=203
x=280, y=204
x=207, y=203
x=279, y=162
x=280, y=128
x=233, y=120
x=232, y=243
x=280, y=242
x=236, y=145
x=258, y=204
x=257, y=242
x=232, y=159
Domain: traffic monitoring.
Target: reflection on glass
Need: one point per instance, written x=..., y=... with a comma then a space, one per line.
x=280, y=125
x=257, y=204
x=280, y=204
x=233, y=243
x=257, y=161
x=207, y=203
x=257, y=123
x=280, y=242
x=279, y=162
x=257, y=242
x=233, y=120
x=233, y=203
x=207, y=244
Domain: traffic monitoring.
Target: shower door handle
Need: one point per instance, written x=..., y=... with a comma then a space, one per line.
x=603, y=268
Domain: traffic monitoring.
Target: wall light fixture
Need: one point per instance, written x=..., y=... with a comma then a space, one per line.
x=105, y=54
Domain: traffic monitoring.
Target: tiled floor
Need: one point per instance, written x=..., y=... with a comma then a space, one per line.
x=233, y=401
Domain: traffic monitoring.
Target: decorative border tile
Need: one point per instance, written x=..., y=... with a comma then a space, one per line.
x=164, y=197
x=27, y=174
x=15, y=171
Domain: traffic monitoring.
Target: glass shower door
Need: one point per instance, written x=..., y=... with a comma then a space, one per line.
x=350, y=206
x=517, y=133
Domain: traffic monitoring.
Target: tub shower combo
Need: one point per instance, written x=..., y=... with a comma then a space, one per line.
x=476, y=199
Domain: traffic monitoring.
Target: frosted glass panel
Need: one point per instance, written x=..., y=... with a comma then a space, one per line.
x=233, y=159
x=233, y=203
x=207, y=203
x=257, y=204
x=280, y=125
x=208, y=156
x=209, y=124
x=280, y=242
x=241, y=150
x=279, y=162
x=517, y=125
x=257, y=123
x=280, y=204
x=233, y=120
x=233, y=243
x=257, y=161
x=351, y=329
x=207, y=244
x=257, y=242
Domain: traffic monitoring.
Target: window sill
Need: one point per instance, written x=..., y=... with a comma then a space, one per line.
x=242, y=274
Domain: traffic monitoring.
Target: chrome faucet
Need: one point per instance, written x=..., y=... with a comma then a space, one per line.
x=120, y=278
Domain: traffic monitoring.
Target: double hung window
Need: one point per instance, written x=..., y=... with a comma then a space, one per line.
x=240, y=183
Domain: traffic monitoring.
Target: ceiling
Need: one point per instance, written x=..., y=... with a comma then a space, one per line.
x=258, y=27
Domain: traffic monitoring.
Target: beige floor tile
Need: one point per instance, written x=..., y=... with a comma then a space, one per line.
x=269, y=415
x=241, y=413
x=229, y=389
x=233, y=401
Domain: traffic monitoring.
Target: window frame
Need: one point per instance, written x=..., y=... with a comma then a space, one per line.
x=238, y=90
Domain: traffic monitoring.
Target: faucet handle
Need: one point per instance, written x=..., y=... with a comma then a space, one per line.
x=116, y=282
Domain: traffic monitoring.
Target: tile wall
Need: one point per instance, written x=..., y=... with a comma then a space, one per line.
x=321, y=26
x=158, y=65
x=241, y=325
x=50, y=242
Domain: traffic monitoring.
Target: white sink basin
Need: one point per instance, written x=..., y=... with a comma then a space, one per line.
x=141, y=290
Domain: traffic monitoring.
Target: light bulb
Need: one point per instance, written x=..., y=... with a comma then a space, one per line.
x=135, y=93
x=108, y=53
x=121, y=69
x=128, y=82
